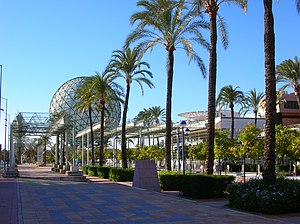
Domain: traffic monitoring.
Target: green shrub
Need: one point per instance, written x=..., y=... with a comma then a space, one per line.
x=91, y=173
x=282, y=168
x=205, y=186
x=103, y=172
x=235, y=168
x=195, y=186
x=121, y=174
x=85, y=169
x=282, y=197
x=94, y=170
x=169, y=180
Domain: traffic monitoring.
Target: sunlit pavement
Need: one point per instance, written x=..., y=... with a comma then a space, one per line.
x=49, y=201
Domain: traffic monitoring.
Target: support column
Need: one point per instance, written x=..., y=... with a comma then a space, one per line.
x=82, y=151
x=12, y=151
x=67, y=149
x=56, y=150
x=87, y=148
x=74, y=148
x=61, y=151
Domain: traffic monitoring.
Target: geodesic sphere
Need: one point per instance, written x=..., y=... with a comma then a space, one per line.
x=63, y=101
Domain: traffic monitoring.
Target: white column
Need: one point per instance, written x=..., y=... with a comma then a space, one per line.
x=67, y=149
x=12, y=151
x=56, y=150
x=74, y=147
x=87, y=148
x=82, y=156
x=61, y=151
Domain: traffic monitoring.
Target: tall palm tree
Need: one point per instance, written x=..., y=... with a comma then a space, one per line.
x=46, y=140
x=145, y=117
x=228, y=97
x=269, y=175
x=289, y=72
x=212, y=7
x=157, y=114
x=106, y=92
x=168, y=24
x=86, y=99
x=127, y=65
x=253, y=101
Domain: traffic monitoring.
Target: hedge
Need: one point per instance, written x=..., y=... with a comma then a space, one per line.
x=195, y=186
x=121, y=174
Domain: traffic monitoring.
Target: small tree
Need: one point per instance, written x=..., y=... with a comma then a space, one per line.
x=197, y=152
x=295, y=149
x=283, y=136
x=251, y=144
x=222, y=145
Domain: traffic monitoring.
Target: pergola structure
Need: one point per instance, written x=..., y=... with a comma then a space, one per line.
x=27, y=124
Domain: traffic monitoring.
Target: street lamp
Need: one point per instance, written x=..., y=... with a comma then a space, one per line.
x=5, y=133
x=116, y=138
x=182, y=124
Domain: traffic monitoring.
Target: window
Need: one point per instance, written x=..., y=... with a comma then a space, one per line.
x=291, y=105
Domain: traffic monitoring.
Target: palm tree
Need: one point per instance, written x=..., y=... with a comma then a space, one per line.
x=86, y=99
x=145, y=117
x=168, y=24
x=289, y=72
x=127, y=65
x=157, y=114
x=106, y=92
x=46, y=140
x=228, y=97
x=253, y=100
x=212, y=7
x=269, y=175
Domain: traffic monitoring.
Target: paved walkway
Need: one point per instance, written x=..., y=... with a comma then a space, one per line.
x=30, y=200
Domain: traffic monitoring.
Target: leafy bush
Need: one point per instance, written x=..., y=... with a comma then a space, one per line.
x=195, y=186
x=169, y=180
x=103, y=172
x=85, y=169
x=282, y=197
x=282, y=168
x=121, y=174
x=205, y=186
x=90, y=173
x=93, y=169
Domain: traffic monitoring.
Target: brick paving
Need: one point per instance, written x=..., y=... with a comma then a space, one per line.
x=30, y=200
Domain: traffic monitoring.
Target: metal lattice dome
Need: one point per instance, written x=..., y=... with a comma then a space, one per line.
x=63, y=102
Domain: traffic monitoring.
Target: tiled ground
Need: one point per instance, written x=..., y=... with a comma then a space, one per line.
x=29, y=201
x=45, y=201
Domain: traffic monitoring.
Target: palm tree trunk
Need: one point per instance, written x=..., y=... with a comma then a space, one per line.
x=255, y=118
x=92, y=136
x=269, y=176
x=44, y=154
x=124, y=118
x=101, y=148
x=211, y=111
x=170, y=73
x=232, y=121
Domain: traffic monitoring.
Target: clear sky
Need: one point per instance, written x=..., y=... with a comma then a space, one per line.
x=46, y=43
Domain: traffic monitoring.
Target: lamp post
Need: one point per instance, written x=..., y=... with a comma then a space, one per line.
x=116, y=150
x=178, y=149
x=183, y=124
x=5, y=133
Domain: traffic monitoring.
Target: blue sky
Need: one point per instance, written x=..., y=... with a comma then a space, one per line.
x=46, y=43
